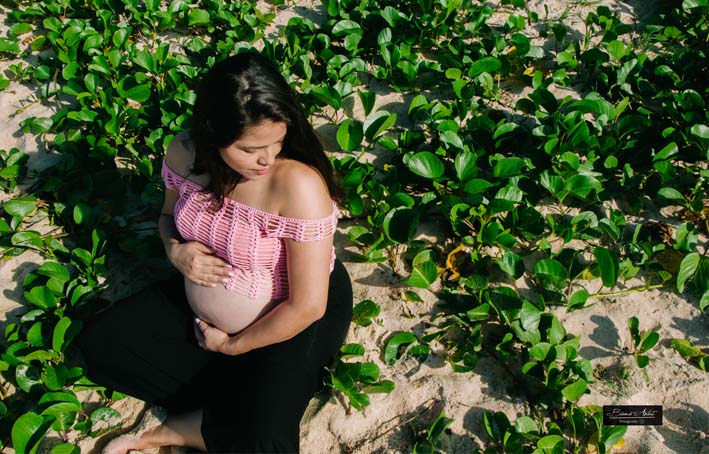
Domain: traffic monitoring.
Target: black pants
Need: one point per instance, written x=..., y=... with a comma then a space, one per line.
x=144, y=346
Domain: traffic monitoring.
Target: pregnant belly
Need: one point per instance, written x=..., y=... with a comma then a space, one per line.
x=228, y=310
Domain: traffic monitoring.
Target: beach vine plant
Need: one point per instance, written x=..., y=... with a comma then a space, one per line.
x=637, y=135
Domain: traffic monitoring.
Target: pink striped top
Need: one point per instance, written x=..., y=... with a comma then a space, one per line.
x=251, y=240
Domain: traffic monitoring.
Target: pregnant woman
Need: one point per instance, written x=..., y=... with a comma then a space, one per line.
x=235, y=346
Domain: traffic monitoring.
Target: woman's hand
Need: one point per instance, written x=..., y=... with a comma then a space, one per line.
x=198, y=263
x=213, y=339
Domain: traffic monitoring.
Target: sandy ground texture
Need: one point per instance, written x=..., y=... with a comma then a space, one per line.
x=423, y=389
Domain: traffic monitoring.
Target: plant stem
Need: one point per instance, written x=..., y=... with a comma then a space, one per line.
x=640, y=288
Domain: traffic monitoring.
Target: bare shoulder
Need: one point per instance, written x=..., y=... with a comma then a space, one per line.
x=302, y=191
x=180, y=153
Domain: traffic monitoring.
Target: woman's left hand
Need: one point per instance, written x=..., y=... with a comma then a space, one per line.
x=211, y=338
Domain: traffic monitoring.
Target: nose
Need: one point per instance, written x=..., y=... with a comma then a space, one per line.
x=268, y=156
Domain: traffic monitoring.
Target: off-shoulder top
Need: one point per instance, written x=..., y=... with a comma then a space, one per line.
x=251, y=240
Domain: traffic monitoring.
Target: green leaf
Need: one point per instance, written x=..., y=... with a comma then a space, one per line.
x=346, y=27
x=28, y=430
x=400, y=224
x=704, y=301
x=350, y=135
x=556, y=332
x=20, y=29
x=391, y=349
x=608, y=264
x=487, y=64
x=353, y=350
x=55, y=377
x=21, y=206
x=525, y=424
x=529, y=317
x=505, y=128
x=418, y=104
x=642, y=360
x=27, y=377
x=611, y=435
x=438, y=426
x=685, y=348
x=634, y=328
x=66, y=448
x=690, y=4
x=377, y=123
x=198, y=17
x=104, y=418
x=120, y=36
x=617, y=49
x=364, y=312
x=425, y=164
x=687, y=269
x=383, y=386
x=71, y=70
x=41, y=296
x=575, y=390
x=422, y=275
x=27, y=238
x=550, y=442
x=451, y=138
x=35, y=335
x=83, y=115
x=577, y=300
x=511, y=264
x=477, y=186
x=138, y=93
x=145, y=60
x=551, y=270
x=61, y=396
x=540, y=350
x=670, y=194
x=670, y=149
x=701, y=131
x=412, y=297
x=367, y=98
x=649, y=340
x=465, y=165
x=9, y=45
x=61, y=407
x=508, y=167
x=82, y=213
x=582, y=185
x=390, y=15
x=64, y=332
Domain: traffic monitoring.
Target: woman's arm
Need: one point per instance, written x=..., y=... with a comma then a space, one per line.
x=193, y=259
x=308, y=278
x=306, y=304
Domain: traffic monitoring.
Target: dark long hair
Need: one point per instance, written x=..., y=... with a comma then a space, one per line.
x=242, y=91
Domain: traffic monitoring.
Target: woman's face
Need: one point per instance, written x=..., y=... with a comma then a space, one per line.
x=253, y=154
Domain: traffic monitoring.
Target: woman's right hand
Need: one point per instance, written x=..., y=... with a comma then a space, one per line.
x=198, y=263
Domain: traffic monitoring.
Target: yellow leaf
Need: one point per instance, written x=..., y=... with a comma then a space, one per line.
x=452, y=263
x=619, y=445
x=670, y=260
x=529, y=71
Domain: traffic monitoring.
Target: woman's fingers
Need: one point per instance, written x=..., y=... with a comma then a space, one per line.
x=199, y=264
x=214, y=272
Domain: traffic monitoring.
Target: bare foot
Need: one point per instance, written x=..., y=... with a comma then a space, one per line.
x=141, y=437
x=126, y=443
